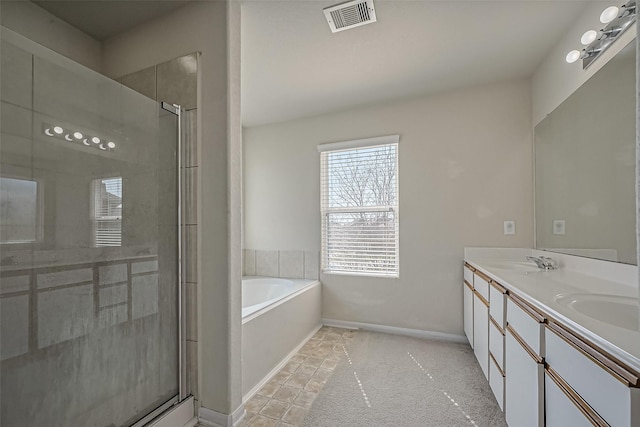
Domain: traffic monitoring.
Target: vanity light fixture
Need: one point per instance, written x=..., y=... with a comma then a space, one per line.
x=617, y=20
x=73, y=136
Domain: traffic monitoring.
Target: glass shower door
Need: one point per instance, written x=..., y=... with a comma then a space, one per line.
x=89, y=289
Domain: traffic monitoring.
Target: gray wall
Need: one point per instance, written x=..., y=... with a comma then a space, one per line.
x=465, y=166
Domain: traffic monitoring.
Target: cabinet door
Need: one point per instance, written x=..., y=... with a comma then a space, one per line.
x=524, y=385
x=481, y=332
x=468, y=313
x=560, y=409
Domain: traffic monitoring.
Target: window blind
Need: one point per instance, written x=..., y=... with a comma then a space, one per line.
x=359, y=203
x=107, y=195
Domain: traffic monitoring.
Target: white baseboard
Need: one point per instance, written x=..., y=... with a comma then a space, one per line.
x=212, y=418
x=418, y=333
x=280, y=365
x=181, y=414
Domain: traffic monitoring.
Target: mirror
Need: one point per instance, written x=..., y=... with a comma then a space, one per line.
x=585, y=201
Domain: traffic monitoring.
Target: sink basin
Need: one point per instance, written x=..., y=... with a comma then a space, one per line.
x=623, y=312
x=513, y=265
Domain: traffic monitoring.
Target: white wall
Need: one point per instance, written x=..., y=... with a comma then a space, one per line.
x=465, y=166
x=211, y=28
x=35, y=23
x=555, y=79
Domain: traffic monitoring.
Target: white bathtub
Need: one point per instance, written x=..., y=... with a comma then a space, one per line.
x=260, y=292
x=278, y=316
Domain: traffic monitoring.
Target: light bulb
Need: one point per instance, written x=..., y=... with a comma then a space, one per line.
x=58, y=130
x=573, y=56
x=609, y=14
x=95, y=140
x=78, y=135
x=111, y=144
x=588, y=37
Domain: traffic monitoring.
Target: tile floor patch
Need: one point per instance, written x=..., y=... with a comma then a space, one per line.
x=285, y=400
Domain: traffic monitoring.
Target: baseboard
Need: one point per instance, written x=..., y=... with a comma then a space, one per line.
x=181, y=414
x=418, y=333
x=211, y=418
x=280, y=365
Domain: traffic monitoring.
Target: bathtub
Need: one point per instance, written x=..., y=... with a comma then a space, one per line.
x=278, y=317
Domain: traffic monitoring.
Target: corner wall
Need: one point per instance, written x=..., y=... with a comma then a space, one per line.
x=465, y=166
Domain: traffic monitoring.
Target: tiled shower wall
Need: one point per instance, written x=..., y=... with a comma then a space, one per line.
x=285, y=264
x=175, y=82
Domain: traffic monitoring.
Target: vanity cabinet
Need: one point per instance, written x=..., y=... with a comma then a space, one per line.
x=562, y=408
x=481, y=320
x=524, y=352
x=467, y=290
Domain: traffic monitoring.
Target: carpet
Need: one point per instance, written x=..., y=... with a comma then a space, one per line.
x=392, y=380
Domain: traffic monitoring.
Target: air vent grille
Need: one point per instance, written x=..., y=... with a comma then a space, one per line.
x=350, y=15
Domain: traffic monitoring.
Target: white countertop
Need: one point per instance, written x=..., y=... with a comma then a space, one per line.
x=540, y=288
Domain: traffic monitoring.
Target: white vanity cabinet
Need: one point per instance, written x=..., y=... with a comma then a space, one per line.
x=467, y=289
x=481, y=320
x=524, y=365
x=497, y=324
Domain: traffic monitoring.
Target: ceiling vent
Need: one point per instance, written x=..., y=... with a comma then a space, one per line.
x=350, y=15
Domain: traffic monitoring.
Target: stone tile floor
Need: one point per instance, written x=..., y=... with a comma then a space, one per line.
x=286, y=398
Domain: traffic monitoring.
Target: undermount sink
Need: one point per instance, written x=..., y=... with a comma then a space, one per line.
x=623, y=312
x=512, y=265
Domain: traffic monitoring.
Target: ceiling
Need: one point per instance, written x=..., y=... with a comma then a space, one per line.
x=293, y=66
x=106, y=18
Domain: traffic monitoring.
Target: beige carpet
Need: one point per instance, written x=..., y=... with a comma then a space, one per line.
x=391, y=380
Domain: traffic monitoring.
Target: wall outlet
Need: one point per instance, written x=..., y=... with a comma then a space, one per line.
x=509, y=228
x=558, y=227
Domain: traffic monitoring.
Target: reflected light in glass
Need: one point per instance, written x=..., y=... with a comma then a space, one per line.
x=111, y=144
x=58, y=130
x=47, y=132
x=68, y=138
x=78, y=135
x=95, y=140
x=573, y=56
x=609, y=14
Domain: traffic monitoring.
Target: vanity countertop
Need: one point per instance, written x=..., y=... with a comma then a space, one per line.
x=541, y=288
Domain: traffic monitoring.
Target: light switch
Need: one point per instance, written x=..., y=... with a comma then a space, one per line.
x=509, y=227
x=558, y=227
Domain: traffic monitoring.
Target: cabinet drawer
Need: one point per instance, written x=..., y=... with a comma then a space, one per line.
x=563, y=408
x=468, y=274
x=481, y=333
x=527, y=322
x=496, y=344
x=601, y=389
x=481, y=284
x=496, y=381
x=498, y=307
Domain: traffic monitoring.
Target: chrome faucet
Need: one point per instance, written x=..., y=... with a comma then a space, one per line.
x=543, y=262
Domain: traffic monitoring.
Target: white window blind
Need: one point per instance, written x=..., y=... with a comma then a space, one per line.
x=107, y=203
x=359, y=203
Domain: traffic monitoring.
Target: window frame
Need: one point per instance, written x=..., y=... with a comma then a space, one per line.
x=325, y=210
x=95, y=220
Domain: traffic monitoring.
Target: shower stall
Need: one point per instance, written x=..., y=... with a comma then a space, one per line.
x=90, y=286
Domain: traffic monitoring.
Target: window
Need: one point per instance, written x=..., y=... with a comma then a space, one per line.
x=20, y=214
x=107, y=211
x=359, y=203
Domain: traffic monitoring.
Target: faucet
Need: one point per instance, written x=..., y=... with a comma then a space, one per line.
x=543, y=262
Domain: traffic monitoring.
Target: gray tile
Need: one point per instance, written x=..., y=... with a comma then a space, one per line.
x=311, y=265
x=189, y=139
x=190, y=253
x=267, y=263
x=15, y=75
x=269, y=389
x=286, y=394
x=260, y=421
x=177, y=81
x=291, y=264
x=256, y=403
x=274, y=409
x=192, y=366
x=295, y=415
x=143, y=81
x=249, y=262
x=305, y=398
x=190, y=196
x=192, y=311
